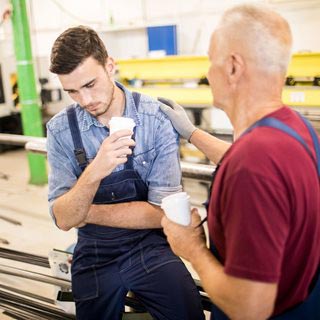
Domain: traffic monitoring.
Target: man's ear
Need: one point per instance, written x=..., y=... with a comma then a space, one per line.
x=235, y=68
x=110, y=66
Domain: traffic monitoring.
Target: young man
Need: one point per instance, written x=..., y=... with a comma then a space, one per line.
x=264, y=210
x=110, y=188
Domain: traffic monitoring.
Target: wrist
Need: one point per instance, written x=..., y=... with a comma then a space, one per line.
x=197, y=248
x=192, y=133
x=91, y=175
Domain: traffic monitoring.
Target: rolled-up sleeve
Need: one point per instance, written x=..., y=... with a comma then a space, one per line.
x=165, y=175
x=62, y=175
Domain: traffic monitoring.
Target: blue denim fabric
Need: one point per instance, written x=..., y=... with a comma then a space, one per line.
x=156, y=154
x=103, y=271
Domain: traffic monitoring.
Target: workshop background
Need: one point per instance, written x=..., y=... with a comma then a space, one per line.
x=160, y=48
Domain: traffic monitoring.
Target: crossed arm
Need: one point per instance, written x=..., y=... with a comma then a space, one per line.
x=75, y=208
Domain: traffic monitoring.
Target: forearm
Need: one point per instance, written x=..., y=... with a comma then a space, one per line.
x=211, y=146
x=129, y=215
x=238, y=298
x=71, y=209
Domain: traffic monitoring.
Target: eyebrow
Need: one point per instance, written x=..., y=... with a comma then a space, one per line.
x=83, y=86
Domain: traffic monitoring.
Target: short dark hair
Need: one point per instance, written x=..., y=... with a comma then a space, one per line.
x=73, y=46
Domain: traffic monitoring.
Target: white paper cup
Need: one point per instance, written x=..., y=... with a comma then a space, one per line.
x=121, y=123
x=177, y=208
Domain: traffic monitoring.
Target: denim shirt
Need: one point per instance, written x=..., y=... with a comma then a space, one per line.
x=155, y=156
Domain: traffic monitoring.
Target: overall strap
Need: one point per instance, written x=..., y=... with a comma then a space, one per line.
x=79, y=151
x=315, y=140
x=136, y=98
x=277, y=124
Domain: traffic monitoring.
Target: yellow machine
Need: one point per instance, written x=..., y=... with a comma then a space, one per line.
x=180, y=78
x=183, y=79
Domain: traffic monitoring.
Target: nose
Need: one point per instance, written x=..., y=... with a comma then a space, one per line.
x=85, y=98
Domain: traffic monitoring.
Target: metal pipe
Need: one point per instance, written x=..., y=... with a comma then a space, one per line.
x=29, y=99
x=17, y=272
x=18, y=140
x=38, y=145
x=197, y=171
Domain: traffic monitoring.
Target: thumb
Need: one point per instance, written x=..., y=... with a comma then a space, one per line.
x=195, y=217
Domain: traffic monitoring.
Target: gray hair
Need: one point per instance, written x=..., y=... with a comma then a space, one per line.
x=261, y=34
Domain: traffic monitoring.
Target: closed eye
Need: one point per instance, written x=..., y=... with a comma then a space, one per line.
x=70, y=91
x=90, y=84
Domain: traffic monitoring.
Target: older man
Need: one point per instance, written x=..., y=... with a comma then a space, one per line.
x=263, y=213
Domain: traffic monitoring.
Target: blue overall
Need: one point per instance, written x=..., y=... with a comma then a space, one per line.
x=310, y=308
x=108, y=262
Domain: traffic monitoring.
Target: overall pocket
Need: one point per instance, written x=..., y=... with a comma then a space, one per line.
x=85, y=284
x=117, y=192
x=156, y=254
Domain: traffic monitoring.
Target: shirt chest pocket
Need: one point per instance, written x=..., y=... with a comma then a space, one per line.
x=143, y=162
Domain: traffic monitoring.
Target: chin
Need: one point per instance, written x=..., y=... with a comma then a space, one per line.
x=98, y=111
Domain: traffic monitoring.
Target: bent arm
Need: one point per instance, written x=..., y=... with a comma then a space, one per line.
x=71, y=208
x=238, y=298
x=211, y=146
x=129, y=215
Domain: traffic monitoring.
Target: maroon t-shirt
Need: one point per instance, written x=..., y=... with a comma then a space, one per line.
x=264, y=215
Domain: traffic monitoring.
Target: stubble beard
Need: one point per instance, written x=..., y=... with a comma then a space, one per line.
x=105, y=106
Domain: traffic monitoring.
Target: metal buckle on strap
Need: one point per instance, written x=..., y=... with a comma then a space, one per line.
x=80, y=156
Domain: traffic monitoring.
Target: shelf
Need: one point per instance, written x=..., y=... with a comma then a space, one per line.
x=201, y=97
x=302, y=65
x=169, y=67
x=170, y=70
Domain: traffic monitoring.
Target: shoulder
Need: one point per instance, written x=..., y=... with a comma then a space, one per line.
x=59, y=122
x=266, y=150
x=150, y=107
x=261, y=144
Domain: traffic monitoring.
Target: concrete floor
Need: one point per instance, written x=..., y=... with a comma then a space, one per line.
x=37, y=234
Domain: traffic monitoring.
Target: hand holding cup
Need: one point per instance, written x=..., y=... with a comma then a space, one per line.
x=177, y=208
x=121, y=123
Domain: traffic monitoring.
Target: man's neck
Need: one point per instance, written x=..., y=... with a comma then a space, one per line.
x=253, y=101
x=245, y=117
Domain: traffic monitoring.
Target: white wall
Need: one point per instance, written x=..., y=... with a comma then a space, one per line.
x=195, y=20
x=121, y=24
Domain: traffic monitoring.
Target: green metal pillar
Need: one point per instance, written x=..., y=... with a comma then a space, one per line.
x=29, y=99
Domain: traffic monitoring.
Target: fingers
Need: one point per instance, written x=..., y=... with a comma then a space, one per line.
x=166, y=101
x=120, y=134
x=166, y=109
x=118, y=140
x=172, y=104
x=122, y=152
x=123, y=143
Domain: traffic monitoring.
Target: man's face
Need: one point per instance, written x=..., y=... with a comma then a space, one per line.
x=90, y=86
x=215, y=75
